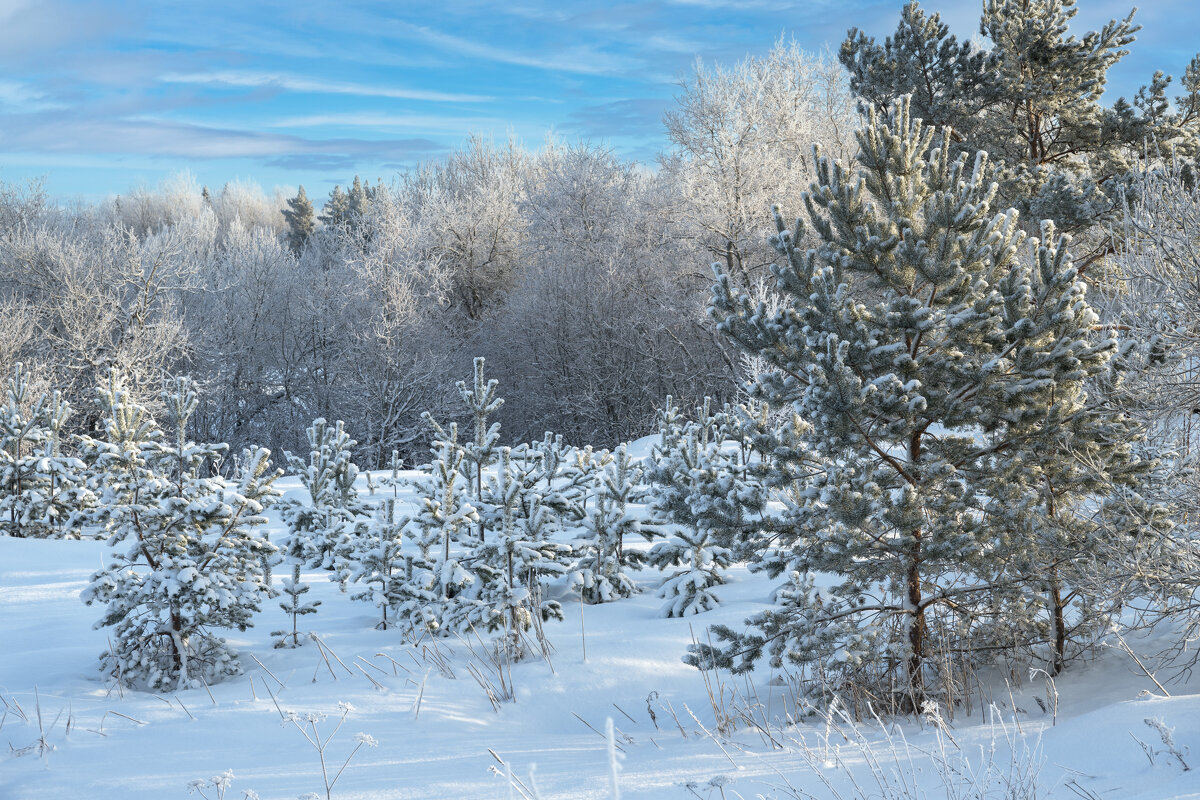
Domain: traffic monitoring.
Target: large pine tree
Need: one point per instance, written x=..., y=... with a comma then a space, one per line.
x=919, y=350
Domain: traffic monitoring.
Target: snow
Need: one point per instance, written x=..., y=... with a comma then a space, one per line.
x=434, y=731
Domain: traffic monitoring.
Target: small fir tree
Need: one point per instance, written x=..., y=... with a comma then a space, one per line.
x=323, y=529
x=440, y=594
x=189, y=562
x=702, y=495
x=602, y=572
x=482, y=402
x=294, y=607
x=378, y=561
x=41, y=489
x=521, y=556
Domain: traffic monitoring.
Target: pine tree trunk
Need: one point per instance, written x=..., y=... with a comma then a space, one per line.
x=512, y=611
x=479, y=494
x=180, y=655
x=1058, y=614
x=916, y=626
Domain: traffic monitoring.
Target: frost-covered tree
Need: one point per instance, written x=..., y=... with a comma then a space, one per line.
x=740, y=136
x=377, y=561
x=295, y=607
x=520, y=552
x=469, y=204
x=186, y=560
x=441, y=594
x=41, y=488
x=1031, y=99
x=336, y=212
x=918, y=349
x=301, y=220
x=322, y=530
x=602, y=571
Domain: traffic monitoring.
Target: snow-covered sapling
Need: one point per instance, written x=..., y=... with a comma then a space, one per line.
x=482, y=402
x=187, y=560
x=323, y=528
x=520, y=553
x=295, y=608
x=41, y=489
x=377, y=561
x=439, y=592
x=601, y=574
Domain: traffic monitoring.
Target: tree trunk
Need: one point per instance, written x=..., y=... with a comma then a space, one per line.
x=916, y=627
x=1058, y=615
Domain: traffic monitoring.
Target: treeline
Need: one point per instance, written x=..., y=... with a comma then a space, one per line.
x=580, y=276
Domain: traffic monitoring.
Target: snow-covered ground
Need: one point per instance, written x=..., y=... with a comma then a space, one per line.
x=69, y=734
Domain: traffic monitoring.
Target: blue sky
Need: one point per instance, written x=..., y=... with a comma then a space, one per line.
x=100, y=97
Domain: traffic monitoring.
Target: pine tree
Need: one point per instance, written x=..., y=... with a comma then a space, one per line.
x=440, y=593
x=323, y=530
x=520, y=554
x=1032, y=101
x=301, y=220
x=378, y=561
x=357, y=202
x=702, y=495
x=1093, y=476
x=295, y=608
x=918, y=350
x=41, y=489
x=336, y=212
x=580, y=475
x=190, y=562
x=482, y=402
x=602, y=571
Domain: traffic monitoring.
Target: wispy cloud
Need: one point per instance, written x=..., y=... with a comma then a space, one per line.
x=22, y=98
x=60, y=133
x=638, y=116
x=294, y=83
x=582, y=59
x=386, y=121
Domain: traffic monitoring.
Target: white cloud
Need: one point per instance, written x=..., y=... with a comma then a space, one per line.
x=583, y=60
x=21, y=97
x=294, y=83
x=381, y=120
